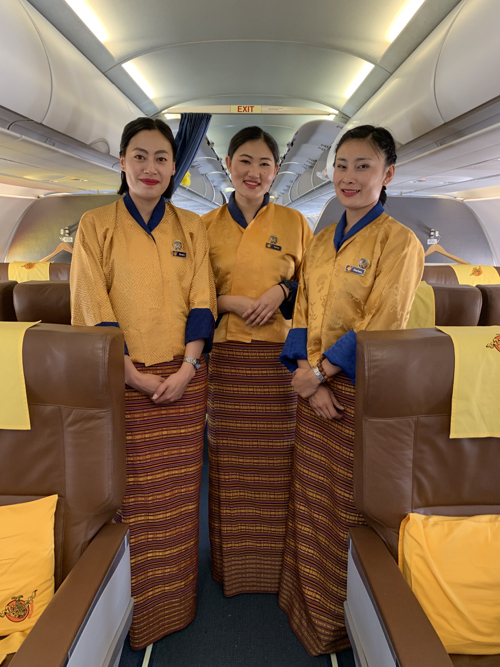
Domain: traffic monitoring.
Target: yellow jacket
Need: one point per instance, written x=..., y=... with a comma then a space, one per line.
x=368, y=283
x=248, y=261
x=160, y=294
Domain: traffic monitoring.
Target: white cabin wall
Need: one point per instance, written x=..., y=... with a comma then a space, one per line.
x=12, y=208
x=487, y=212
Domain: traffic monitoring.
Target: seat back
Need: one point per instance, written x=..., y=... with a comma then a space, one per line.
x=45, y=300
x=457, y=305
x=442, y=274
x=404, y=460
x=76, y=445
x=57, y=271
x=490, y=311
x=7, y=312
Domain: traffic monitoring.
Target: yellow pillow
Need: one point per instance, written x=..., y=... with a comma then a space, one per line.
x=26, y=568
x=452, y=566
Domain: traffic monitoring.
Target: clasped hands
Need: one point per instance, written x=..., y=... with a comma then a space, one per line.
x=322, y=400
x=258, y=312
x=162, y=391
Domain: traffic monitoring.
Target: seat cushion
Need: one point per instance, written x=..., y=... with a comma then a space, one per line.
x=26, y=567
x=451, y=564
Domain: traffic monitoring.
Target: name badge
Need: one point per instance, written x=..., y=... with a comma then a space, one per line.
x=355, y=269
x=176, y=253
x=273, y=246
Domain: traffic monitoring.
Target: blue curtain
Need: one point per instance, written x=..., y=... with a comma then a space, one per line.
x=192, y=130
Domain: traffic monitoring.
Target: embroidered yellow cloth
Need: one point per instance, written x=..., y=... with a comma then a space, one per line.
x=474, y=274
x=27, y=568
x=332, y=299
x=14, y=414
x=21, y=272
x=423, y=310
x=451, y=565
x=476, y=382
x=248, y=262
x=120, y=273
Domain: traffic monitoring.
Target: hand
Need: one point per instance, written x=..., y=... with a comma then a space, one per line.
x=264, y=308
x=325, y=404
x=145, y=383
x=240, y=304
x=173, y=388
x=305, y=382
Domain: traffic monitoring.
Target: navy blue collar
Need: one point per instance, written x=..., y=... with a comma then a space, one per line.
x=339, y=237
x=237, y=215
x=154, y=220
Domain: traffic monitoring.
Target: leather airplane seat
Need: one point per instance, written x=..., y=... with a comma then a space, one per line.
x=441, y=274
x=405, y=462
x=75, y=449
x=457, y=305
x=7, y=312
x=43, y=300
x=490, y=311
x=57, y=271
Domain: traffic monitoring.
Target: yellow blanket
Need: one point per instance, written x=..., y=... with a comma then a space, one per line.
x=476, y=383
x=14, y=412
x=470, y=274
x=21, y=272
x=423, y=310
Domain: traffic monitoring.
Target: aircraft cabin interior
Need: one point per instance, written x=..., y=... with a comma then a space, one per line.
x=73, y=74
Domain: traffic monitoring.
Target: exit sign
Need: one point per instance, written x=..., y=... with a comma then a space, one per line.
x=246, y=108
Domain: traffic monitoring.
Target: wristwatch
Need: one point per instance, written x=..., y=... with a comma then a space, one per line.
x=196, y=363
x=289, y=287
x=318, y=374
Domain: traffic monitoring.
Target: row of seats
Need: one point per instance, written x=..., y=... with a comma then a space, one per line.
x=76, y=449
x=49, y=301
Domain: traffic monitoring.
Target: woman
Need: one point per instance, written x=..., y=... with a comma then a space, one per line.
x=255, y=250
x=361, y=273
x=142, y=264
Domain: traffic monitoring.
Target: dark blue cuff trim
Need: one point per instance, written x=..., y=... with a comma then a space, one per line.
x=287, y=306
x=113, y=324
x=343, y=354
x=200, y=324
x=295, y=348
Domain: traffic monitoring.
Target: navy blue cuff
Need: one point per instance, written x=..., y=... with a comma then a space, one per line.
x=114, y=324
x=200, y=324
x=287, y=306
x=343, y=354
x=295, y=347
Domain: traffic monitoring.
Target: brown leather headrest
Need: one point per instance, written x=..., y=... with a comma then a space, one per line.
x=45, y=300
x=457, y=305
x=7, y=312
x=490, y=312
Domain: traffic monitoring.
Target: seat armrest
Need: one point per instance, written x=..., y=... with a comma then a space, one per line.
x=51, y=639
x=414, y=641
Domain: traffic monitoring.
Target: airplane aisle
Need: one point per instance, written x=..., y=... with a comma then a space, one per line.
x=243, y=631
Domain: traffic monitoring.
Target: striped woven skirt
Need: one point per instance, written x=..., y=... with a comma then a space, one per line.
x=251, y=425
x=314, y=577
x=161, y=504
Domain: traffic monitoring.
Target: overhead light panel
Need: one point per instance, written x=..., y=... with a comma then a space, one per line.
x=359, y=78
x=172, y=116
x=403, y=18
x=83, y=11
x=139, y=79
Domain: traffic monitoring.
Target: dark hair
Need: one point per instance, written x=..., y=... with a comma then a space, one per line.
x=380, y=139
x=253, y=133
x=129, y=132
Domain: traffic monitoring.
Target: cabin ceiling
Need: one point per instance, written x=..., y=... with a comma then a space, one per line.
x=286, y=53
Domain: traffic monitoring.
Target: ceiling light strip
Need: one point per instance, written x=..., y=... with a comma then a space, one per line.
x=132, y=70
x=403, y=18
x=83, y=11
x=358, y=79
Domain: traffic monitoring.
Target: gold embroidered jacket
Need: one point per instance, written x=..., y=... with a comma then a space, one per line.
x=248, y=261
x=121, y=273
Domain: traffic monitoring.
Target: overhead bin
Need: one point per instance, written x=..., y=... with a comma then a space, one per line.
x=445, y=77
x=46, y=79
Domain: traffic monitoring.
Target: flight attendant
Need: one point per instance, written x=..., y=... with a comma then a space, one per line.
x=142, y=264
x=256, y=248
x=360, y=273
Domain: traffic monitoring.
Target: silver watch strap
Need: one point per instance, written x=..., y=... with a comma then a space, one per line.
x=317, y=373
x=191, y=360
